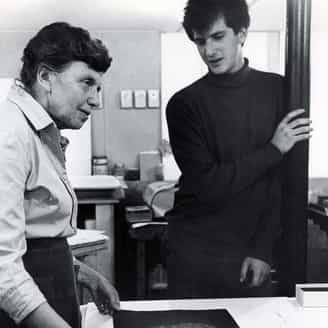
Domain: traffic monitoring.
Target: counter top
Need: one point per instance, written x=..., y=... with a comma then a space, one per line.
x=93, y=182
x=97, y=188
x=270, y=312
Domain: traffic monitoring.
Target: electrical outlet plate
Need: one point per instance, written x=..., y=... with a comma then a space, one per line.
x=139, y=98
x=126, y=99
x=153, y=98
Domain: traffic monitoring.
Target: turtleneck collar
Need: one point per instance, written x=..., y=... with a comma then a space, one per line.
x=230, y=80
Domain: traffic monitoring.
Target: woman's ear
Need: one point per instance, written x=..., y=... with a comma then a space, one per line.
x=45, y=77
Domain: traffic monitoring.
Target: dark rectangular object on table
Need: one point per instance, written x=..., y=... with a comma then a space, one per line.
x=219, y=318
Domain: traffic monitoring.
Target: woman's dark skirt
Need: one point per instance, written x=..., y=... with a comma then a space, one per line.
x=49, y=261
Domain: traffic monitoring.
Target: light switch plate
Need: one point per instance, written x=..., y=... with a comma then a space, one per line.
x=126, y=99
x=139, y=98
x=153, y=98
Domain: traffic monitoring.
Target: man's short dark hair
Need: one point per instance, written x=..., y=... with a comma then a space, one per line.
x=57, y=45
x=199, y=15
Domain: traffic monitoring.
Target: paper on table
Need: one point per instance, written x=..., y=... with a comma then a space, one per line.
x=142, y=224
x=277, y=312
x=269, y=314
x=92, y=318
x=84, y=236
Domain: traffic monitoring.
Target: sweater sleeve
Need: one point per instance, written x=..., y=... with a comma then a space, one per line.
x=208, y=178
x=268, y=226
x=19, y=294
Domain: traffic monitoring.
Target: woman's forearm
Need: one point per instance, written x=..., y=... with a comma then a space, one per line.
x=45, y=316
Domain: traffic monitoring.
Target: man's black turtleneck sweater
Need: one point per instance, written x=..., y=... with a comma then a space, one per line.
x=229, y=194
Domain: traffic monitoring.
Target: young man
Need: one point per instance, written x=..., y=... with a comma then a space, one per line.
x=229, y=135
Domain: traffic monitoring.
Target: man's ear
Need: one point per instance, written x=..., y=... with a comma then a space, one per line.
x=242, y=35
x=45, y=77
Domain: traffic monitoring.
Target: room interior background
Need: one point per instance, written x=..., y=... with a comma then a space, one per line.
x=140, y=39
x=150, y=53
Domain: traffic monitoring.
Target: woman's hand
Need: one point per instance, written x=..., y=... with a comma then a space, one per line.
x=103, y=293
x=105, y=296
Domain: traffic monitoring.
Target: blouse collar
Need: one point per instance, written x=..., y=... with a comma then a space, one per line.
x=35, y=113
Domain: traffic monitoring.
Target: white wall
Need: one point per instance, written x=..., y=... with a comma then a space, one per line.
x=319, y=90
x=20, y=15
x=78, y=152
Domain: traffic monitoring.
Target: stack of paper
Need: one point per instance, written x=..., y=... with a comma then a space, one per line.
x=85, y=237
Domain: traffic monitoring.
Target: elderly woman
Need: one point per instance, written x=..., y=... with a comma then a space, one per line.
x=58, y=89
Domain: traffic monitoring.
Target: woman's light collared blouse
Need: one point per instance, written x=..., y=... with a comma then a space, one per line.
x=36, y=199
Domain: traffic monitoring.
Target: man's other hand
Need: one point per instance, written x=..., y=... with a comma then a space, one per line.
x=254, y=272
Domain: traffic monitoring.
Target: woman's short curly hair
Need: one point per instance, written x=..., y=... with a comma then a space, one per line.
x=199, y=15
x=58, y=44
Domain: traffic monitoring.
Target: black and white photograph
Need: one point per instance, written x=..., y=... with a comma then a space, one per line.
x=163, y=163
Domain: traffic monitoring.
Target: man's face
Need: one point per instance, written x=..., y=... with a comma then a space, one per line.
x=74, y=93
x=220, y=48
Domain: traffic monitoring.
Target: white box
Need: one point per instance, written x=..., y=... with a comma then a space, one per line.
x=149, y=162
x=312, y=295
